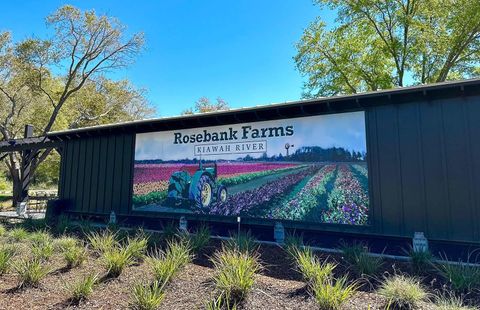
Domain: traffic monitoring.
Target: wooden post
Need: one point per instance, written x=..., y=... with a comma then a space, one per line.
x=26, y=165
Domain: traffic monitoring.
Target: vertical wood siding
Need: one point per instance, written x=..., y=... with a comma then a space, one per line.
x=424, y=170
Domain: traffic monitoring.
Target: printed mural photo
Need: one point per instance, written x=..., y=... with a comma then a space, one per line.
x=309, y=169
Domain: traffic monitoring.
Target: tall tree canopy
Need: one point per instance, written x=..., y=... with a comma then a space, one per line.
x=204, y=104
x=62, y=82
x=378, y=44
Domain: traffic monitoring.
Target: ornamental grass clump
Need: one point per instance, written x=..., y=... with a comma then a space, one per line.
x=75, y=256
x=31, y=272
x=65, y=242
x=235, y=272
x=166, y=264
x=3, y=230
x=199, y=239
x=292, y=243
x=463, y=277
x=360, y=261
x=421, y=261
x=6, y=254
x=451, y=302
x=116, y=259
x=83, y=288
x=332, y=294
x=137, y=247
x=17, y=234
x=147, y=296
x=312, y=269
x=43, y=250
x=402, y=292
x=243, y=242
x=39, y=237
x=102, y=242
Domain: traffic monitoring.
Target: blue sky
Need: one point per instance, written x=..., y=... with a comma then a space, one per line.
x=239, y=50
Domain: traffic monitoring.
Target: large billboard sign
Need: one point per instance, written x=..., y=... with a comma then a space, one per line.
x=310, y=169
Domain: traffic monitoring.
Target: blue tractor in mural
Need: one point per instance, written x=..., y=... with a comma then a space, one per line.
x=199, y=190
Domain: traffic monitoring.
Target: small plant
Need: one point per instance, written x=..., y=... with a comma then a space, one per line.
x=43, y=250
x=3, y=230
x=292, y=244
x=402, y=292
x=170, y=231
x=17, y=234
x=199, y=239
x=35, y=224
x=333, y=294
x=243, y=242
x=451, y=302
x=6, y=255
x=311, y=268
x=40, y=237
x=147, y=296
x=221, y=302
x=137, y=247
x=75, y=256
x=361, y=261
x=116, y=260
x=62, y=224
x=83, y=288
x=65, y=242
x=461, y=276
x=31, y=272
x=235, y=272
x=166, y=264
x=102, y=242
x=421, y=261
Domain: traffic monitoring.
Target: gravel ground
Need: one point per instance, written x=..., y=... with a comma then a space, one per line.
x=277, y=287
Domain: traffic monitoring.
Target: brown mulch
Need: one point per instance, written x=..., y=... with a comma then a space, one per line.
x=278, y=286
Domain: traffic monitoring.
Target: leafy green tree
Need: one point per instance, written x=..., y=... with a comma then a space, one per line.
x=61, y=82
x=378, y=44
x=204, y=105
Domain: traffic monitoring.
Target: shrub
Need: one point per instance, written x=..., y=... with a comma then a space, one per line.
x=420, y=261
x=402, y=292
x=333, y=294
x=43, y=250
x=461, y=276
x=243, y=242
x=147, y=296
x=83, y=288
x=137, y=247
x=116, y=260
x=166, y=264
x=235, y=272
x=451, y=303
x=31, y=272
x=75, y=256
x=311, y=268
x=199, y=239
x=17, y=234
x=6, y=255
x=102, y=242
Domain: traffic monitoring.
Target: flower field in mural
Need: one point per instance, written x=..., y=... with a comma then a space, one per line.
x=329, y=193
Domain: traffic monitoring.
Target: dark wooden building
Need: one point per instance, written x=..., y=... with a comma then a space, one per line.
x=423, y=147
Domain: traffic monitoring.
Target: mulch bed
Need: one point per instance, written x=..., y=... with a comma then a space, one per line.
x=278, y=286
